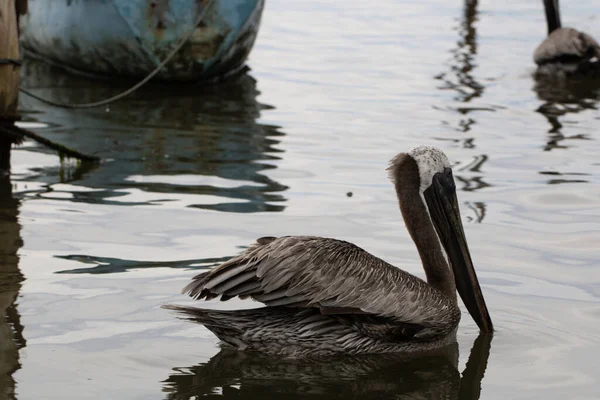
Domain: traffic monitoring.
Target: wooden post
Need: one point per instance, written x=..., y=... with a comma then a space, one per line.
x=10, y=238
x=9, y=77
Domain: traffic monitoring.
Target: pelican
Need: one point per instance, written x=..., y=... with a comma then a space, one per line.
x=565, y=50
x=328, y=296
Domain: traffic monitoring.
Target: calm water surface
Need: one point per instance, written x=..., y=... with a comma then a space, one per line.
x=193, y=174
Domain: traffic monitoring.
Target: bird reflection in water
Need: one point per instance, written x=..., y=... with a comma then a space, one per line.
x=563, y=97
x=245, y=375
x=11, y=330
x=165, y=140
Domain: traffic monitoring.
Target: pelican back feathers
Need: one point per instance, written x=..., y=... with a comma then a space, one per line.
x=336, y=278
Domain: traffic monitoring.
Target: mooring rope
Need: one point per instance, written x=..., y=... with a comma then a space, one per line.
x=134, y=87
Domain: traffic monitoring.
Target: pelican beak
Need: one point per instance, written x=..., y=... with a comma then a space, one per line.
x=445, y=214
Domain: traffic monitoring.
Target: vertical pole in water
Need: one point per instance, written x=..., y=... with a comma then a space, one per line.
x=9, y=78
x=10, y=238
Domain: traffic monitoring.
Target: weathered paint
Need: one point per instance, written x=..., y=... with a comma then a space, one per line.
x=131, y=37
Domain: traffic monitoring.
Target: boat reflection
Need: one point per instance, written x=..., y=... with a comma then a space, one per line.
x=233, y=374
x=11, y=330
x=164, y=141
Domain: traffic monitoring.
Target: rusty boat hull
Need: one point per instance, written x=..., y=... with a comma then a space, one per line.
x=130, y=38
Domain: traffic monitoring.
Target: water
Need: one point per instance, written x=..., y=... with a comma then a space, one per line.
x=192, y=175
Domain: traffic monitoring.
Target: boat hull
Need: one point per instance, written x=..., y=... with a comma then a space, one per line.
x=130, y=38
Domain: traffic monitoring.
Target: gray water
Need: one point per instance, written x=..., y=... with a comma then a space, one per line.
x=191, y=175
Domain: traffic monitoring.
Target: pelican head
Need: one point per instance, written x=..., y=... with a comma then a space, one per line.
x=427, y=196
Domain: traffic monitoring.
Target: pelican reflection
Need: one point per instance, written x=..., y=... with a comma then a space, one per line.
x=244, y=375
x=563, y=98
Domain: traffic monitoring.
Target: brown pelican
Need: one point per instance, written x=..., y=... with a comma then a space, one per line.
x=329, y=296
x=565, y=50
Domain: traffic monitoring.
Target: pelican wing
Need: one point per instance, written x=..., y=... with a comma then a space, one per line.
x=336, y=277
x=566, y=44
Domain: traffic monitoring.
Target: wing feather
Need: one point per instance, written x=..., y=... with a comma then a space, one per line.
x=566, y=44
x=233, y=281
x=304, y=271
x=285, y=301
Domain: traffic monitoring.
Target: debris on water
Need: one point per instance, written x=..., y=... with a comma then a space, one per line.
x=349, y=194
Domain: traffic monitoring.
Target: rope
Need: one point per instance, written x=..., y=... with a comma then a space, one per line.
x=134, y=87
x=10, y=61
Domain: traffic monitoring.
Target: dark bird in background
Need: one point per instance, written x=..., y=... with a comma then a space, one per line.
x=566, y=51
x=327, y=296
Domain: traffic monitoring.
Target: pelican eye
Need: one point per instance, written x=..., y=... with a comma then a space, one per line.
x=448, y=180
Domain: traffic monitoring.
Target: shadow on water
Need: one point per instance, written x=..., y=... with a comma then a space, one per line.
x=563, y=97
x=233, y=374
x=109, y=265
x=11, y=330
x=165, y=141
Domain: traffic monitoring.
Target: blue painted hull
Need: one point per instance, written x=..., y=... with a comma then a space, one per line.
x=131, y=37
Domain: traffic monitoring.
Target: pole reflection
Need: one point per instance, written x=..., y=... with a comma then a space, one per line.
x=11, y=330
x=461, y=79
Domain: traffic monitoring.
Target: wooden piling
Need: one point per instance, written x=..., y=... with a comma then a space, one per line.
x=9, y=78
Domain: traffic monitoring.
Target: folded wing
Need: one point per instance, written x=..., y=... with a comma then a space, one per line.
x=336, y=277
x=566, y=45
